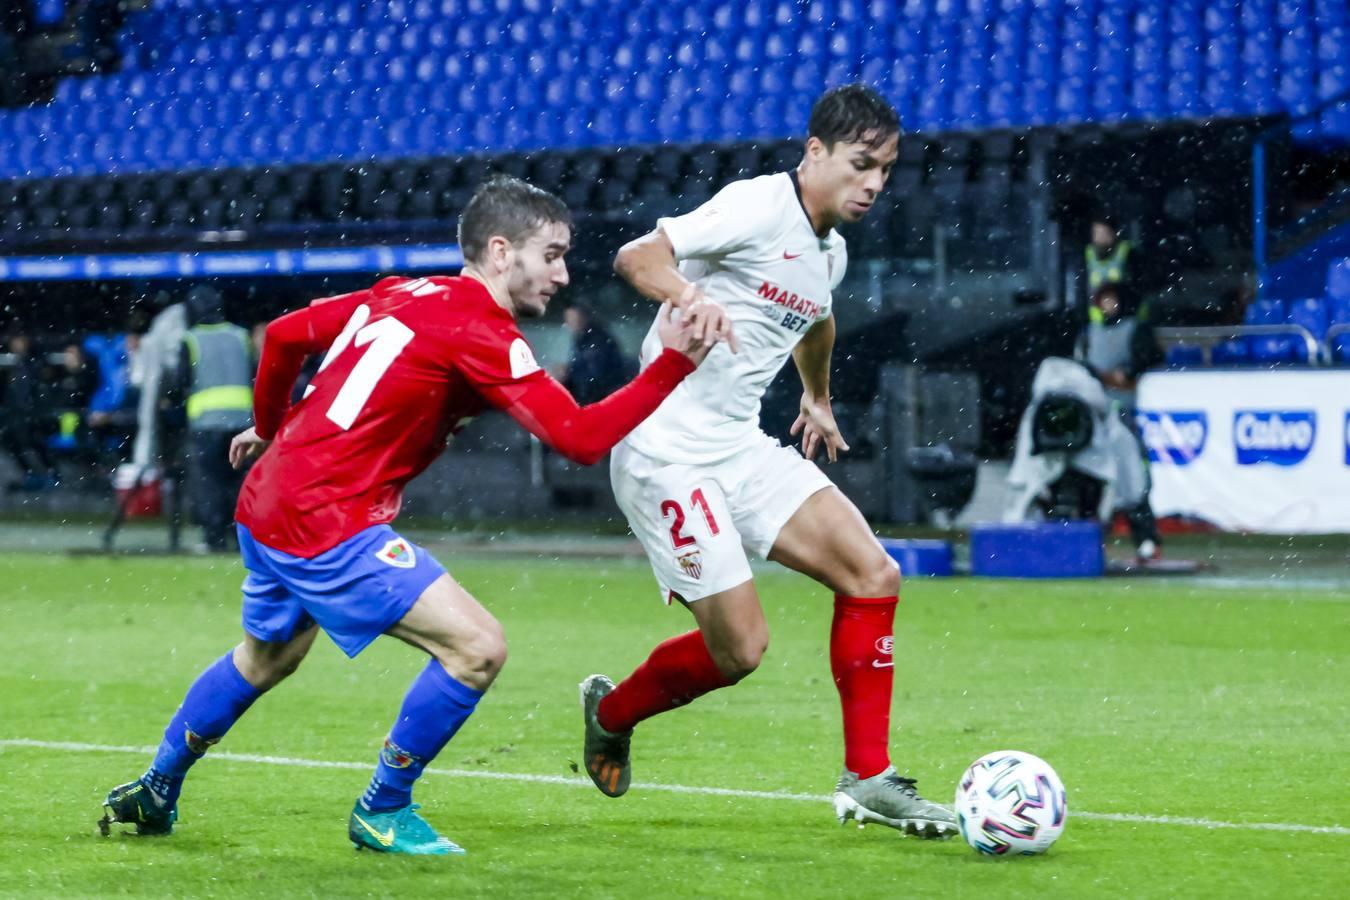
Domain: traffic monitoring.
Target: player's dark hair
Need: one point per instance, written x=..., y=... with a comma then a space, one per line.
x=853, y=113
x=506, y=206
x=1105, y=217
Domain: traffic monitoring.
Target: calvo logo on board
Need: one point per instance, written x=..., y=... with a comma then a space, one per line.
x=1173, y=437
x=1281, y=437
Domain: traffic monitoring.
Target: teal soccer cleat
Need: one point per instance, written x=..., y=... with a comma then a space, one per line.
x=398, y=831
x=135, y=804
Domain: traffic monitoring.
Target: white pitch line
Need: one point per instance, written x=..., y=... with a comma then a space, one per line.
x=298, y=762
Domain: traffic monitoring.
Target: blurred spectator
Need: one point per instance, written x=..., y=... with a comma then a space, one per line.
x=256, y=335
x=216, y=375
x=1118, y=348
x=1111, y=260
x=1118, y=345
x=151, y=370
x=23, y=416
x=596, y=367
x=112, y=409
x=73, y=385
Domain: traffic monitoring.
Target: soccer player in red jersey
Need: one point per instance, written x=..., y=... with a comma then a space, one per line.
x=407, y=363
x=702, y=485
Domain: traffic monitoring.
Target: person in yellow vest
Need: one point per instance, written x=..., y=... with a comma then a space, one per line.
x=216, y=373
x=1111, y=261
x=1117, y=349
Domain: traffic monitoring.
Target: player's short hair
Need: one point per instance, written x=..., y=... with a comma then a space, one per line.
x=507, y=206
x=1105, y=217
x=853, y=113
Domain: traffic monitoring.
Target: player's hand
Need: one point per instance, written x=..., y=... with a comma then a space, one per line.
x=709, y=320
x=245, y=446
x=816, y=425
x=681, y=335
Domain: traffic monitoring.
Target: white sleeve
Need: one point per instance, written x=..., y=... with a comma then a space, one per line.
x=840, y=266
x=737, y=217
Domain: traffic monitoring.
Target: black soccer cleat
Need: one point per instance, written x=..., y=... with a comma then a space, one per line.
x=135, y=804
x=605, y=754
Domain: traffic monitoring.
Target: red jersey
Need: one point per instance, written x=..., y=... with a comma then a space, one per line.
x=408, y=362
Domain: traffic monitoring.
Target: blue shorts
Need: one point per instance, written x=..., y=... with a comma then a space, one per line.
x=355, y=591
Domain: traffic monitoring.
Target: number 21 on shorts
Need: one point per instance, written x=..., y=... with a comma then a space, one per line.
x=671, y=509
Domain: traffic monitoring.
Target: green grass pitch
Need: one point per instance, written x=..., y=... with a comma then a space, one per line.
x=1152, y=699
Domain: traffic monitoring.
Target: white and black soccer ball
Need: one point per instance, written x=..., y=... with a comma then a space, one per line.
x=1010, y=803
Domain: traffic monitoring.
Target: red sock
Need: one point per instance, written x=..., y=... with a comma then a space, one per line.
x=861, y=647
x=678, y=671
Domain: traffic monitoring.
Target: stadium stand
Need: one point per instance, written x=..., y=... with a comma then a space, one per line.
x=242, y=83
x=283, y=123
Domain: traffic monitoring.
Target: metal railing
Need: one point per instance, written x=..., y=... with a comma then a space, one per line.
x=1208, y=337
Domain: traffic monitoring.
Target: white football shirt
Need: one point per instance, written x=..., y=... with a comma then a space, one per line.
x=752, y=249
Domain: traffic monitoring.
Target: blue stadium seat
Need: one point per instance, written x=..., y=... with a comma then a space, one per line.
x=1072, y=100
x=1268, y=311
x=1235, y=352
x=1078, y=51
x=1185, y=62
x=1270, y=350
x=1223, y=91
x=49, y=12
x=1004, y=104
x=1338, y=310
x=1291, y=14
x=1310, y=313
x=1332, y=15
x=1042, y=65
x=967, y=64
x=1260, y=66
x=1182, y=356
x=1338, y=287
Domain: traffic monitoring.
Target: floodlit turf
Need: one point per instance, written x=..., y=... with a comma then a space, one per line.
x=1151, y=698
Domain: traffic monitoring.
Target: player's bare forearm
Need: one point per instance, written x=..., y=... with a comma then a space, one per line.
x=812, y=357
x=815, y=422
x=648, y=264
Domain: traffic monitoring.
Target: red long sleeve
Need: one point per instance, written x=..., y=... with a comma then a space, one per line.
x=585, y=434
x=284, y=349
x=286, y=344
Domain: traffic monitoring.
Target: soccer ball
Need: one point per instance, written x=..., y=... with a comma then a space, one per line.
x=1010, y=802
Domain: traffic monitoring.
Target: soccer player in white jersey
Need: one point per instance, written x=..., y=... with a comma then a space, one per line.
x=701, y=484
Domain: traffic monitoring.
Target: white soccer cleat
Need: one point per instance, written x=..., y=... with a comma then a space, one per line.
x=891, y=800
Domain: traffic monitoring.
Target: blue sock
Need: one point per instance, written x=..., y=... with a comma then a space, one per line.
x=216, y=700
x=433, y=710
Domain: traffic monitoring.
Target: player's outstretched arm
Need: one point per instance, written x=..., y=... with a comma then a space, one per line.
x=815, y=422
x=649, y=265
x=584, y=434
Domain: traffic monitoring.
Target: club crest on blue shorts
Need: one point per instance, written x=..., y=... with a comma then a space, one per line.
x=398, y=553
